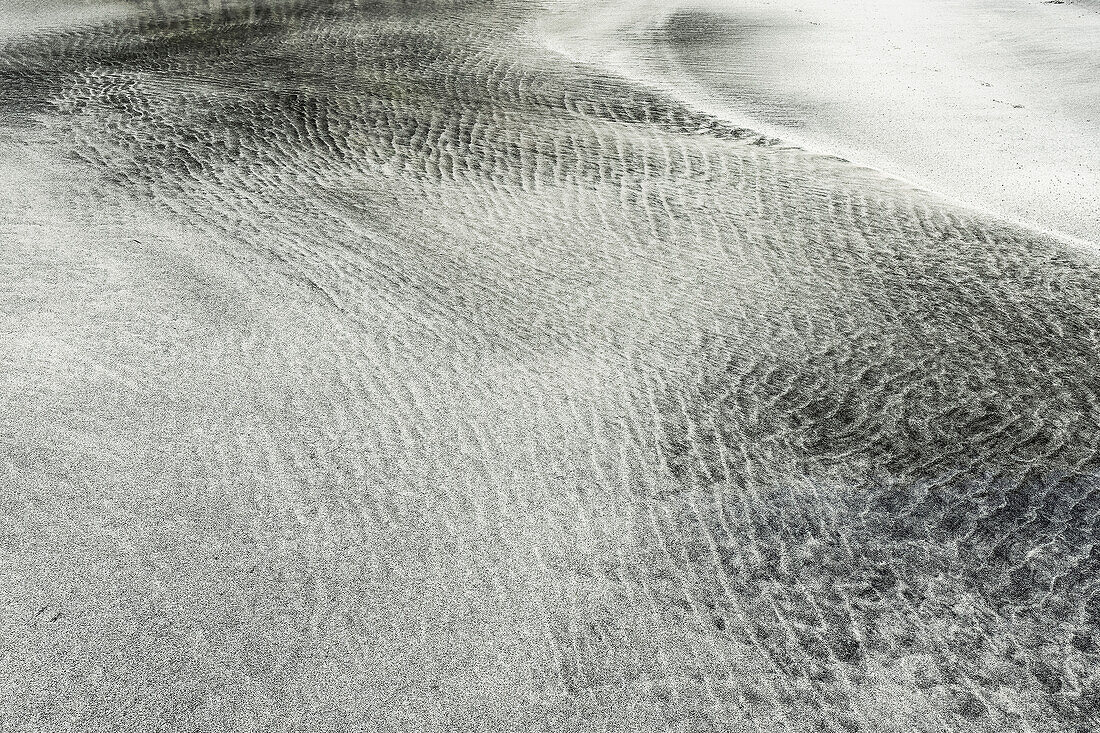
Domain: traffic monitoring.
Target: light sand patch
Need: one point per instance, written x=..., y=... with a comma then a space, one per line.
x=992, y=104
x=20, y=17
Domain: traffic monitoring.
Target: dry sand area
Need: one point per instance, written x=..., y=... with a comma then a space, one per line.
x=428, y=366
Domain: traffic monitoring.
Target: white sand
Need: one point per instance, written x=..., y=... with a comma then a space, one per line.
x=994, y=104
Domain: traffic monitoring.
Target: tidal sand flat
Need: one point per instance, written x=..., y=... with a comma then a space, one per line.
x=377, y=366
x=992, y=104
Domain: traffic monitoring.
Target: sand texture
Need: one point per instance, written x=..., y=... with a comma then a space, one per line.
x=993, y=104
x=387, y=366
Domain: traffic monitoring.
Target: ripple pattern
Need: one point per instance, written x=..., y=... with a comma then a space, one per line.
x=383, y=371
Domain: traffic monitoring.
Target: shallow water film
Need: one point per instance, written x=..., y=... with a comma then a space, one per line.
x=397, y=366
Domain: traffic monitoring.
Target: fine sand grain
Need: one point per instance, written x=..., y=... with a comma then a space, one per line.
x=368, y=366
x=991, y=103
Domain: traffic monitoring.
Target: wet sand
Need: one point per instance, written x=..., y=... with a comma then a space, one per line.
x=372, y=367
x=991, y=104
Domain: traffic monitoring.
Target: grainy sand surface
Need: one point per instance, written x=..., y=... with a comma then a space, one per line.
x=991, y=103
x=371, y=366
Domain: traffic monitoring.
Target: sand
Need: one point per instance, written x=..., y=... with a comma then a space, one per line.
x=369, y=366
x=993, y=104
x=22, y=17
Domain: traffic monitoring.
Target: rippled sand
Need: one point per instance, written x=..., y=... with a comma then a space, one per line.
x=993, y=103
x=371, y=366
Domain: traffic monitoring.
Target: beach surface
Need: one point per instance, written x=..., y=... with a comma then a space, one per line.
x=385, y=366
x=992, y=104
